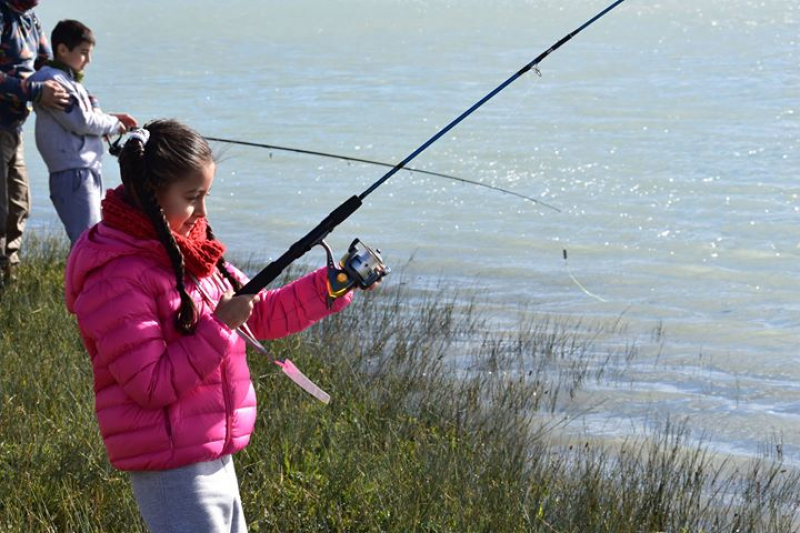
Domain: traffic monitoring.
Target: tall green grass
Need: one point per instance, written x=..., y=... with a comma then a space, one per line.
x=437, y=423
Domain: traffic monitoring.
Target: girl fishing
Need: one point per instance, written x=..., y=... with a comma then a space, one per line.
x=155, y=303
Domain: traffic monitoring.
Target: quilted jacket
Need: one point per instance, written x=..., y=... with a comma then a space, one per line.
x=164, y=399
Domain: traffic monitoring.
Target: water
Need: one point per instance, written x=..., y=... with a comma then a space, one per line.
x=667, y=134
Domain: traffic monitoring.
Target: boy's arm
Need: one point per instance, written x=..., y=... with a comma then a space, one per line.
x=82, y=120
x=127, y=120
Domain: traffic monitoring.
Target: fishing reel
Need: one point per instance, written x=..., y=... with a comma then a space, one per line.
x=360, y=267
x=115, y=146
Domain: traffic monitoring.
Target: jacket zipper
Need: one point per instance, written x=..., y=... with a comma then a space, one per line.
x=227, y=400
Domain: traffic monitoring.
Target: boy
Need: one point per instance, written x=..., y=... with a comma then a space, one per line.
x=70, y=141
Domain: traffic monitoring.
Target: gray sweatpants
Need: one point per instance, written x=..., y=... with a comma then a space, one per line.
x=76, y=195
x=198, y=498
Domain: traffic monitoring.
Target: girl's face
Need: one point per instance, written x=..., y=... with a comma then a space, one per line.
x=184, y=202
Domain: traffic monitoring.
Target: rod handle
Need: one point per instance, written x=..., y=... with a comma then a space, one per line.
x=268, y=274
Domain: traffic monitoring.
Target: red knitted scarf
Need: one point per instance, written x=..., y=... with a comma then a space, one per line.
x=200, y=255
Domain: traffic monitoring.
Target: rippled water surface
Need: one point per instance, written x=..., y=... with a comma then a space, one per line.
x=667, y=134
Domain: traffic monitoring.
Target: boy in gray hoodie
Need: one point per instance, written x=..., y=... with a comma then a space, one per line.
x=70, y=140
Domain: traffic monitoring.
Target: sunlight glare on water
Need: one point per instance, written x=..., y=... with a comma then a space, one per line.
x=667, y=134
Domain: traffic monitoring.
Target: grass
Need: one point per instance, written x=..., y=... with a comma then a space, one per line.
x=436, y=424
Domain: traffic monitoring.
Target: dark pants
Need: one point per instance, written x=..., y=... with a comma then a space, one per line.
x=15, y=197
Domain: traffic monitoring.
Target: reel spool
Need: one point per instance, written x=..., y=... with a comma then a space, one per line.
x=360, y=267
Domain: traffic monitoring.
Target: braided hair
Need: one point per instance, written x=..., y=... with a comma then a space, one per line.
x=150, y=162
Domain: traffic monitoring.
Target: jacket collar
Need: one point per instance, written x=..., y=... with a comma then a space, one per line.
x=55, y=63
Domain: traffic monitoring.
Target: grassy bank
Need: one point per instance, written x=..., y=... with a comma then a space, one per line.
x=402, y=447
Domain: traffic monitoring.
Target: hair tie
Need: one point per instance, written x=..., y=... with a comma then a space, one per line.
x=141, y=134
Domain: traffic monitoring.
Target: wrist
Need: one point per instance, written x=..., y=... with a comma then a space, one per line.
x=33, y=90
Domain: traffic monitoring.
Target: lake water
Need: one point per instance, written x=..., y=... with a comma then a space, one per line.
x=668, y=134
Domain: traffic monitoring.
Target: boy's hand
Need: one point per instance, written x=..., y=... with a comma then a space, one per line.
x=233, y=310
x=54, y=95
x=127, y=122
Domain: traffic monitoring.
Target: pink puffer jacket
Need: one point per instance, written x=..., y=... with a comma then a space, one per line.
x=163, y=399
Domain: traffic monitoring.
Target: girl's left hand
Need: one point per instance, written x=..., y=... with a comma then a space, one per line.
x=378, y=282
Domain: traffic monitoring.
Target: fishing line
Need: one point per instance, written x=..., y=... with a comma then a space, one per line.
x=379, y=163
x=523, y=98
x=363, y=266
x=351, y=205
x=578, y=283
x=486, y=98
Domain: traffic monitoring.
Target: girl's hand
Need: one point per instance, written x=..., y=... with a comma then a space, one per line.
x=233, y=311
x=376, y=283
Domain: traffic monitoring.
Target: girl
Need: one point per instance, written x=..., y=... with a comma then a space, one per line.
x=154, y=300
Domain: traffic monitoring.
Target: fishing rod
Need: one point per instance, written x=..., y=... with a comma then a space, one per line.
x=364, y=270
x=379, y=163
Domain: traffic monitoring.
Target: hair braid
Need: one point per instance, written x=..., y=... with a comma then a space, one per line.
x=138, y=182
x=221, y=264
x=187, y=314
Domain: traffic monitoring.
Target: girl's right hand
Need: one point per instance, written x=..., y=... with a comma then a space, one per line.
x=233, y=311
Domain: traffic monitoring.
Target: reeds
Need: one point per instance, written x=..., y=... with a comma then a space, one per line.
x=438, y=423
